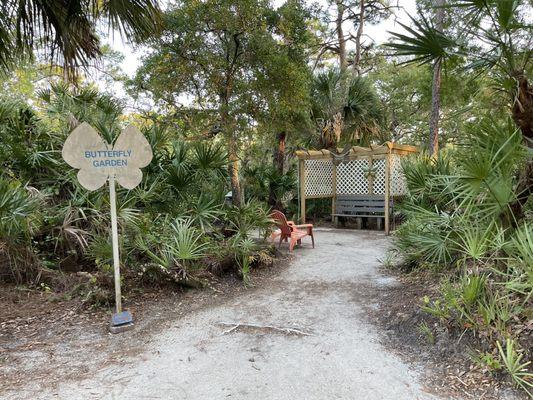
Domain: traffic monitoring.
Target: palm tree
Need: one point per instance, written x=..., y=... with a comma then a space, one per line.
x=496, y=40
x=65, y=30
x=345, y=108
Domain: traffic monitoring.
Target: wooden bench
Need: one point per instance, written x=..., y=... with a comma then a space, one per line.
x=361, y=206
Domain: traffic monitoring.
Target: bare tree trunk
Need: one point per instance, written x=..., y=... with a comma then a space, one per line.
x=233, y=169
x=522, y=112
x=433, y=145
x=523, y=108
x=340, y=35
x=279, y=161
x=357, y=60
x=233, y=166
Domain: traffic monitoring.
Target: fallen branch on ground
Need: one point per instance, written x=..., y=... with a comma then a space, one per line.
x=285, y=330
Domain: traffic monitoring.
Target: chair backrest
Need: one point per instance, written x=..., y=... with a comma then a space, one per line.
x=281, y=222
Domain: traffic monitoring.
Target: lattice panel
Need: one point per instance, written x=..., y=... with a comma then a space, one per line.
x=351, y=177
x=379, y=176
x=398, y=183
x=318, y=178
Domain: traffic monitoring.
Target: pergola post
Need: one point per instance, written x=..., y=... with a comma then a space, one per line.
x=334, y=189
x=301, y=168
x=387, y=192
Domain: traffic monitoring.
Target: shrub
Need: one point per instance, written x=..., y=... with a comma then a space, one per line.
x=459, y=217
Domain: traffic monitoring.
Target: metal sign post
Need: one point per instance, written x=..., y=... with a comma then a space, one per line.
x=99, y=162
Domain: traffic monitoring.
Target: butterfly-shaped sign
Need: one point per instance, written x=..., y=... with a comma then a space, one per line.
x=98, y=161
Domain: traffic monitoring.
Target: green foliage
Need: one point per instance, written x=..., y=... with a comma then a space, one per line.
x=187, y=245
x=514, y=365
x=18, y=210
x=260, y=180
x=423, y=42
x=250, y=216
x=493, y=37
x=244, y=249
x=460, y=218
x=169, y=224
x=352, y=97
x=456, y=213
x=426, y=331
x=68, y=32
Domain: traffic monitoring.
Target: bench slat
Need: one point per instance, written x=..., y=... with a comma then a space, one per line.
x=360, y=209
x=364, y=203
x=361, y=197
x=359, y=215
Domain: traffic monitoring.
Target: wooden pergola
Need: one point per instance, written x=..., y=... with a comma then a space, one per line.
x=374, y=170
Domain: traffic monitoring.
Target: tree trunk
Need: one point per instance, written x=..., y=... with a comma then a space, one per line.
x=340, y=35
x=522, y=112
x=233, y=166
x=233, y=169
x=357, y=60
x=433, y=145
x=523, y=108
x=279, y=161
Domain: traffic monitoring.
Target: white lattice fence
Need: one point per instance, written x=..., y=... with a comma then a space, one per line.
x=351, y=177
x=379, y=176
x=318, y=178
x=398, y=183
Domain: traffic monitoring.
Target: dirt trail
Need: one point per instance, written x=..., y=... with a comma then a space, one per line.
x=334, y=354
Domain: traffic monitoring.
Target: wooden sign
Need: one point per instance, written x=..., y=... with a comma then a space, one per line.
x=99, y=162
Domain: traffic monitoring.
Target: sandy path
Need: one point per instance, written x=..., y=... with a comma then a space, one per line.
x=321, y=293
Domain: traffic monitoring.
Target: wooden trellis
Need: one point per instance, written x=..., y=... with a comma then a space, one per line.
x=363, y=170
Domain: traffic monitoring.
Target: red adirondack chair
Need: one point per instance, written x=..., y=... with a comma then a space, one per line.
x=289, y=230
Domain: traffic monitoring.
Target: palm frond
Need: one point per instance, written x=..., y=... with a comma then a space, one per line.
x=423, y=42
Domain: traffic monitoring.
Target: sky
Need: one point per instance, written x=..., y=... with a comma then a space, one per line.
x=377, y=33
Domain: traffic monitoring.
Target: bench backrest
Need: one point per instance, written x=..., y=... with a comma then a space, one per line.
x=357, y=203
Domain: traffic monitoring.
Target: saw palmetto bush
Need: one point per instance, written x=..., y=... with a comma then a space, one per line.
x=169, y=224
x=461, y=219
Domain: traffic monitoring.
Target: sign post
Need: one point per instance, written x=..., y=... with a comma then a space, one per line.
x=114, y=238
x=99, y=162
